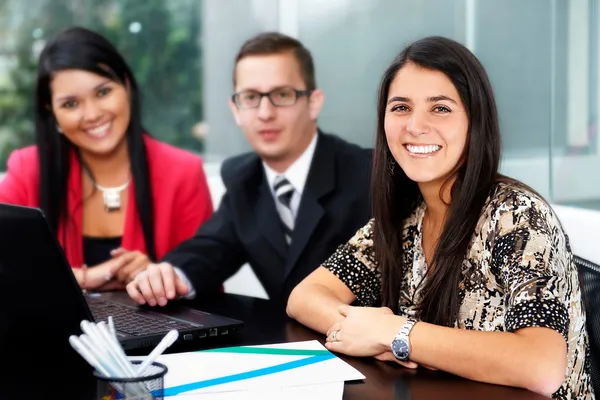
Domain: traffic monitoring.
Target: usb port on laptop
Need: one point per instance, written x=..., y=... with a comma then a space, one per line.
x=224, y=332
x=202, y=335
x=213, y=332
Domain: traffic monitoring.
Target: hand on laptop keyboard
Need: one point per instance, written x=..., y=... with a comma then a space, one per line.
x=158, y=284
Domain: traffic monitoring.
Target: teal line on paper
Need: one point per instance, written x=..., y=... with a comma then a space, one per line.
x=267, y=350
x=175, y=390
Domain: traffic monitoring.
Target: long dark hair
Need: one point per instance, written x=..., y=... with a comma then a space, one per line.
x=80, y=48
x=395, y=196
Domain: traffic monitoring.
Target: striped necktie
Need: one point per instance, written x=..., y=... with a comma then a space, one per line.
x=284, y=192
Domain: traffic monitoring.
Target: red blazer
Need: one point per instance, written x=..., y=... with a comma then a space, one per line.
x=182, y=200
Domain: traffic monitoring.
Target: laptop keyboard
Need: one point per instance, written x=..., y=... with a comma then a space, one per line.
x=132, y=320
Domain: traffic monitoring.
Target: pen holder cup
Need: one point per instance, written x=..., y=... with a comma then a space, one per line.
x=147, y=387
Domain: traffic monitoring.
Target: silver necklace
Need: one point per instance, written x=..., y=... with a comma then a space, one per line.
x=112, y=195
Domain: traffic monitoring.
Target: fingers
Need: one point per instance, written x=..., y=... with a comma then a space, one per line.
x=334, y=327
x=168, y=279
x=118, y=252
x=137, y=264
x=156, y=285
x=111, y=285
x=115, y=264
x=388, y=356
x=140, y=289
x=387, y=310
x=334, y=336
x=408, y=364
x=134, y=291
x=334, y=346
x=180, y=287
x=151, y=285
x=98, y=276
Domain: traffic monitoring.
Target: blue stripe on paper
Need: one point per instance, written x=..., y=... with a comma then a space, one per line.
x=175, y=390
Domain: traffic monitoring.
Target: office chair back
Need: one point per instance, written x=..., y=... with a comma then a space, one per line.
x=589, y=274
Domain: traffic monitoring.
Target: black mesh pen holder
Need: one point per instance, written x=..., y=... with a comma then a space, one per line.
x=150, y=386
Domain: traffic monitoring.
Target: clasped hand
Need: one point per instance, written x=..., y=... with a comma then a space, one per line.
x=366, y=332
x=115, y=273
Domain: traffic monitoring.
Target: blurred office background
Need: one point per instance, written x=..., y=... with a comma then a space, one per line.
x=542, y=57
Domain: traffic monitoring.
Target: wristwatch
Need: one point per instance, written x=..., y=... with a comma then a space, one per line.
x=401, y=345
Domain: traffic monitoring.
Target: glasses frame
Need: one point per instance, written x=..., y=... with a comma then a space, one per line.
x=299, y=94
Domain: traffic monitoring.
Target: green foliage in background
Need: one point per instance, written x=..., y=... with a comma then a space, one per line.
x=164, y=55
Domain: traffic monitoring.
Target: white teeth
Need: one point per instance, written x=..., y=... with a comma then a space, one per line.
x=99, y=130
x=431, y=148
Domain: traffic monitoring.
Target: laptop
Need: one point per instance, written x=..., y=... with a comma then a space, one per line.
x=31, y=251
x=41, y=303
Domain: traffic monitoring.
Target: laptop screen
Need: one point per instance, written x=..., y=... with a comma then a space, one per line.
x=41, y=306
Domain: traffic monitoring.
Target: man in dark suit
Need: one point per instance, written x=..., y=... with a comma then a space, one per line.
x=289, y=204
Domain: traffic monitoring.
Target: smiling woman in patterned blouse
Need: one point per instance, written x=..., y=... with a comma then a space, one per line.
x=473, y=269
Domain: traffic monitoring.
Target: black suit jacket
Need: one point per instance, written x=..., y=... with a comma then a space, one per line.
x=246, y=228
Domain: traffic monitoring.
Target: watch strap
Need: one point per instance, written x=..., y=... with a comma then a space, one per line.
x=406, y=328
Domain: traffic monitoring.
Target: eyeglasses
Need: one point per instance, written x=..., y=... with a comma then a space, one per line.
x=280, y=97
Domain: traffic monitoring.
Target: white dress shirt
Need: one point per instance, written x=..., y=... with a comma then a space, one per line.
x=296, y=174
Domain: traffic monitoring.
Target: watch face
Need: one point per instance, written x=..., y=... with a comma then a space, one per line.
x=400, y=349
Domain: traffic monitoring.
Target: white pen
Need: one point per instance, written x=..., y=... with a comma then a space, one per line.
x=106, y=346
x=121, y=358
x=100, y=345
x=168, y=340
x=114, y=370
x=116, y=350
x=111, y=325
x=81, y=345
x=87, y=356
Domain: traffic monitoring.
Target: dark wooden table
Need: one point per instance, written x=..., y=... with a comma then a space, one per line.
x=61, y=373
x=265, y=323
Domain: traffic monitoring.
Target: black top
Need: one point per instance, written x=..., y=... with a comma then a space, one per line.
x=96, y=250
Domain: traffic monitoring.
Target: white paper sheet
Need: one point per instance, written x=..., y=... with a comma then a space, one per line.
x=302, y=367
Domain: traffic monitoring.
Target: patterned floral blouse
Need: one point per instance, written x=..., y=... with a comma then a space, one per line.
x=519, y=272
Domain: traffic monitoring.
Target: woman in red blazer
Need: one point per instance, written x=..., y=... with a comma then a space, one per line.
x=115, y=197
